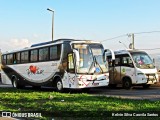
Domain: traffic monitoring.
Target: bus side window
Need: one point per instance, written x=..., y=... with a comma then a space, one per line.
x=130, y=62
x=126, y=61
x=67, y=49
x=18, y=57
x=14, y=58
x=34, y=55
x=71, y=63
x=4, y=59
x=9, y=59
x=43, y=54
x=117, y=62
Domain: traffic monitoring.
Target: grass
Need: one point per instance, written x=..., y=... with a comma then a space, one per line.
x=70, y=105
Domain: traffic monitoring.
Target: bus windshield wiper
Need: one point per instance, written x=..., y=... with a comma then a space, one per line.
x=98, y=64
x=93, y=63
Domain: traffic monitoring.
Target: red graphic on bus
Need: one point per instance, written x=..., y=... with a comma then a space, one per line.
x=33, y=69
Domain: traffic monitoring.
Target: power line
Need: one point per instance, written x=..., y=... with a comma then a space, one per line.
x=130, y=35
x=147, y=32
x=150, y=49
x=114, y=37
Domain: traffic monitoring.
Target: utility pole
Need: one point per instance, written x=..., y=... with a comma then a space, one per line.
x=52, y=20
x=131, y=45
x=133, y=41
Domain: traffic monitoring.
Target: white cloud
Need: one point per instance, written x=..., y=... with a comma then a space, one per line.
x=35, y=35
x=14, y=44
x=20, y=42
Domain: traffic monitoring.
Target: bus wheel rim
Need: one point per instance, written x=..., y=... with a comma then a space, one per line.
x=59, y=85
x=127, y=84
x=14, y=84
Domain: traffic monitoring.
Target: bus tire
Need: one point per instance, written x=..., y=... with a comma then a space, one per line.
x=15, y=83
x=127, y=84
x=145, y=86
x=59, y=85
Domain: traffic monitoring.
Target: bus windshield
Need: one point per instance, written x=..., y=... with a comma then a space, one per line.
x=142, y=60
x=91, y=59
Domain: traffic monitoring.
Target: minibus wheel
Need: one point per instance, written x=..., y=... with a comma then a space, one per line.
x=127, y=83
x=59, y=85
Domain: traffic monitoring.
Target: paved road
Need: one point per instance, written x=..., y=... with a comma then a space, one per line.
x=153, y=93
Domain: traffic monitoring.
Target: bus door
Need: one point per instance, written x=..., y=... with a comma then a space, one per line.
x=110, y=57
x=71, y=71
x=116, y=71
x=127, y=67
x=73, y=61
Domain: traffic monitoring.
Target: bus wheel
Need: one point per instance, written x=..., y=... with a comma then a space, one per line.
x=15, y=83
x=146, y=86
x=59, y=85
x=127, y=83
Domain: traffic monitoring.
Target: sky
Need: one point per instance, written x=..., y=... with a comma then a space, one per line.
x=26, y=22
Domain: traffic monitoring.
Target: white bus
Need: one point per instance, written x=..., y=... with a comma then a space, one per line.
x=131, y=67
x=62, y=63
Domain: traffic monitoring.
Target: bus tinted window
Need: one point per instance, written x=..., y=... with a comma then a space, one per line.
x=43, y=54
x=4, y=59
x=126, y=61
x=10, y=59
x=55, y=52
x=117, y=61
x=24, y=57
x=17, y=57
x=67, y=49
x=34, y=55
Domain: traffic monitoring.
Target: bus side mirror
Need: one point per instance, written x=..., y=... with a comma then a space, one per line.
x=109, y=52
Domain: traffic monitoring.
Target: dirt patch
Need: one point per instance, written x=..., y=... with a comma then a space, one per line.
x=7, y=118
x=156, y=85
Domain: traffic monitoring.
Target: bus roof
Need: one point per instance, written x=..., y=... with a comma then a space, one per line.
x=127, y=51
x=58, y=41
x=64, y=40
